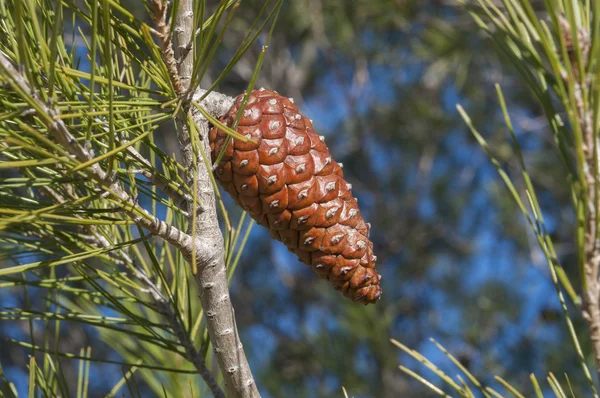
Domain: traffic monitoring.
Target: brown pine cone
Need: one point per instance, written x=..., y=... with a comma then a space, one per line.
x=290, y=184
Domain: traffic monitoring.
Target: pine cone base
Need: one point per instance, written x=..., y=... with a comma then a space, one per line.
x=289, y=183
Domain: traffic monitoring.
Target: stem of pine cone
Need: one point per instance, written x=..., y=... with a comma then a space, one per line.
x=211, y=275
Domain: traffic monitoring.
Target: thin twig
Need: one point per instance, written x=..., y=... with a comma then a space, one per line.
x=164, y=307
x=162, y=31
x=163, y=304
x=178, y=197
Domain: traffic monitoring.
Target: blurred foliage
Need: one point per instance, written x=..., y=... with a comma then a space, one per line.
x=381, y=79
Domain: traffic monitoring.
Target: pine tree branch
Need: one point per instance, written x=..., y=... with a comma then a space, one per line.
x=207, y=247
x=156, y=226
x=164, y=307
x=160, y=300
x=163, y=304
x=61, y=134
x=209, y=251
x=591, y=267
x=591, y=300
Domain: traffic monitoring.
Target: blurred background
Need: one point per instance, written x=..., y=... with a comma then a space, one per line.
x=381, y=79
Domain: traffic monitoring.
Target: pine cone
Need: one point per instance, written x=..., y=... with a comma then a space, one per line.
x=289, y=183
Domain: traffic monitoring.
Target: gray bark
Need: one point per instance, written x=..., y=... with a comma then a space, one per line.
x=209, y=251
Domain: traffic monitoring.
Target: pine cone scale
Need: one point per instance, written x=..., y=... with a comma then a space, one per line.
x=288, y=182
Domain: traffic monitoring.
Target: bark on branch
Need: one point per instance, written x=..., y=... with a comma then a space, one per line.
x=591, y=268
x=209, y=253
x=591, y=297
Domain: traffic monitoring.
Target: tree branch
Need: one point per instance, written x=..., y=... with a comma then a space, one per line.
x=591, y=297
x=62, y=135
x=591, y=267
x=163, y=304
x=164, y=307
x=209, y=251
